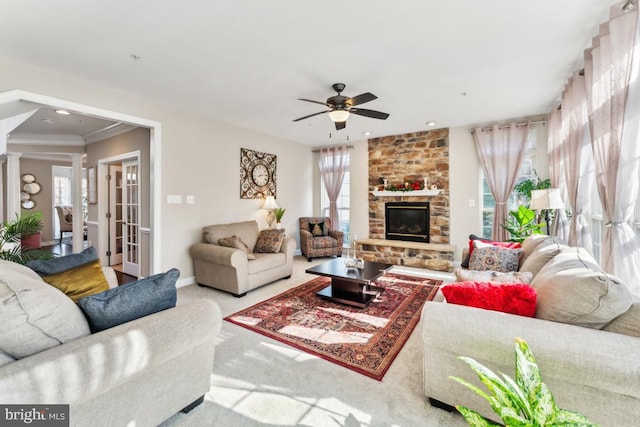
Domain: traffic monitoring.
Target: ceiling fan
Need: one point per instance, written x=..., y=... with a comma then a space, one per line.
x=342, y=106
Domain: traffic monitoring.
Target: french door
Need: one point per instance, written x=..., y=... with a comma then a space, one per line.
x=131, y=217
x=115, y=215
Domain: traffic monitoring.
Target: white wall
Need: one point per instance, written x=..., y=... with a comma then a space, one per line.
x=200, y=157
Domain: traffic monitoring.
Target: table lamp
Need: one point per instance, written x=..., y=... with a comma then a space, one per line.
x=270, y=205
x=546, y=200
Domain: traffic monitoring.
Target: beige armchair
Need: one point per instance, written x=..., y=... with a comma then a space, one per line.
x=321, y=241
x=65, y=220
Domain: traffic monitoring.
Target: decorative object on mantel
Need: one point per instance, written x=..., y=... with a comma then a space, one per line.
x=257, y=174
x=415, y=187
x=411, y=185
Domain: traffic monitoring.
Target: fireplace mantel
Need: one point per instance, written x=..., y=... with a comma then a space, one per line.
x=414, y=193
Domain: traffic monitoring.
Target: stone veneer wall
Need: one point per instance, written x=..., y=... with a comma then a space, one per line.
x=412, y=156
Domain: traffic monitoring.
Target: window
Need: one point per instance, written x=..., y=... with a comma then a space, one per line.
x=526, y=172
x=343, y=203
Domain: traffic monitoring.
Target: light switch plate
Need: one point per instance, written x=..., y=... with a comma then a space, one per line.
x=174, y=199
x=191, y=200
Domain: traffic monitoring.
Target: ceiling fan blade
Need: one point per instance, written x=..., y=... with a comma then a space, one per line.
x=311, y=115
x=341, y=125
x=315, y=102
x=369, y=113
x=362, y=98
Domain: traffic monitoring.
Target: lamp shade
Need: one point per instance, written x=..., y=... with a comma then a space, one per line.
x=339, y=115
x=269, y=203
x=546, y=199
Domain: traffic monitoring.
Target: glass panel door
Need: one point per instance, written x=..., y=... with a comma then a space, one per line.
x=131, y=209
x=115, y=214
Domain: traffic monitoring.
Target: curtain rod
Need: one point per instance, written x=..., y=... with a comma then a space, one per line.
x=317, y=150
x=544, y=122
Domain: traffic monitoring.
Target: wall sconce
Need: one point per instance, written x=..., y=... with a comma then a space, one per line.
x=269, y=206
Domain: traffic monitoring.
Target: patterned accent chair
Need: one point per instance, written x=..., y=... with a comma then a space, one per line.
x=325, y=242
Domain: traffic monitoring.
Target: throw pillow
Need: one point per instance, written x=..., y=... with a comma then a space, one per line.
x=494, y=258
x=79, y=282
x=63, y=263
x=269, y=241
x=236, y=242
x=77, y=275
x=473, y=238
x=35, y=316
x=517, y=299
x=131, y=301
x=317, y=229
x=463, y=275
x=572, y=288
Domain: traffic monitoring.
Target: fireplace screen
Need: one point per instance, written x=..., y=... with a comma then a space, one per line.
x=407, y=221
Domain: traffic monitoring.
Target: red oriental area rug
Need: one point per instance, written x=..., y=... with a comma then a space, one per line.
x=364, y=340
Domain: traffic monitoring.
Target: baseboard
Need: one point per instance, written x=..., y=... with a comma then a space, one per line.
x=186, y=282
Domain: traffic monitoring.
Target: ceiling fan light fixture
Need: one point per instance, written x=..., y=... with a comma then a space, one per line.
x=338, y=115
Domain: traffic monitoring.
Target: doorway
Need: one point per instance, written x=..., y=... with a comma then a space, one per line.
x=155, y=242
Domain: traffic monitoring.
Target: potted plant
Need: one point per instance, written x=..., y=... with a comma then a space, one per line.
x=13, y=232
x=522, y=223
x=279, y=213
x=527, y=401
x=524, y=187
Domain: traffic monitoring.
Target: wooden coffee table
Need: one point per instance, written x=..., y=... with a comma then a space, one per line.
x=350, y=286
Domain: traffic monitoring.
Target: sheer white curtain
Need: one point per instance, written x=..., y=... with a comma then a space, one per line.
x=333, y=163
x=578, y=161
x=611, y=72
x=556, y=171
x=501, y=150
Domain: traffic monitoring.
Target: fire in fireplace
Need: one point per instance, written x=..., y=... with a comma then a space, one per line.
x=407, y=221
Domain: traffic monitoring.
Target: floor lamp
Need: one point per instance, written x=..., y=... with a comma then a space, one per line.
x=546, y=200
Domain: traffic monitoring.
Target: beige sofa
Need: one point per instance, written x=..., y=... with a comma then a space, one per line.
x=585, y=337
x=138, y=373
x=229, y=269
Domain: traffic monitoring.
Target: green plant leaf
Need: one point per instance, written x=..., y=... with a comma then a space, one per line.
x=473, y=418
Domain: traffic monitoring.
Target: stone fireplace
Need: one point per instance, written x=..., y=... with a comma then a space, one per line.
x=401, y=159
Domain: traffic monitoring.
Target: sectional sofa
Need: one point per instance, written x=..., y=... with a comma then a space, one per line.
x=585, y=336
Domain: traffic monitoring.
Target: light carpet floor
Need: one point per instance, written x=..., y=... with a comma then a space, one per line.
x=257, y=381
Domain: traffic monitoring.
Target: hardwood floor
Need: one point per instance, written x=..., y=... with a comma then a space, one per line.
x=67, y=249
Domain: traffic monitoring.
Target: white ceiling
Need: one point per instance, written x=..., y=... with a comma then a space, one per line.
x=245, y=62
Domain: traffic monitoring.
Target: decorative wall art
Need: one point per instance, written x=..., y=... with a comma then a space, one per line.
x=257, y=174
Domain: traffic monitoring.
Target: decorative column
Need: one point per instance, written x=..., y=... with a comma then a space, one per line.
x=14, y=185
x=76, y=200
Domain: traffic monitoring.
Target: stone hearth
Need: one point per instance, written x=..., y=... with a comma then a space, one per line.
x=434, y=256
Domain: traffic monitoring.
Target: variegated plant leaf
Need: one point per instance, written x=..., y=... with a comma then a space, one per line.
x=527, y=372
x=572, y=419
x=473, y=387
x=519, y=397
x=493, y=382
x=543, y=405
x=512, y=418
x=473, y=418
